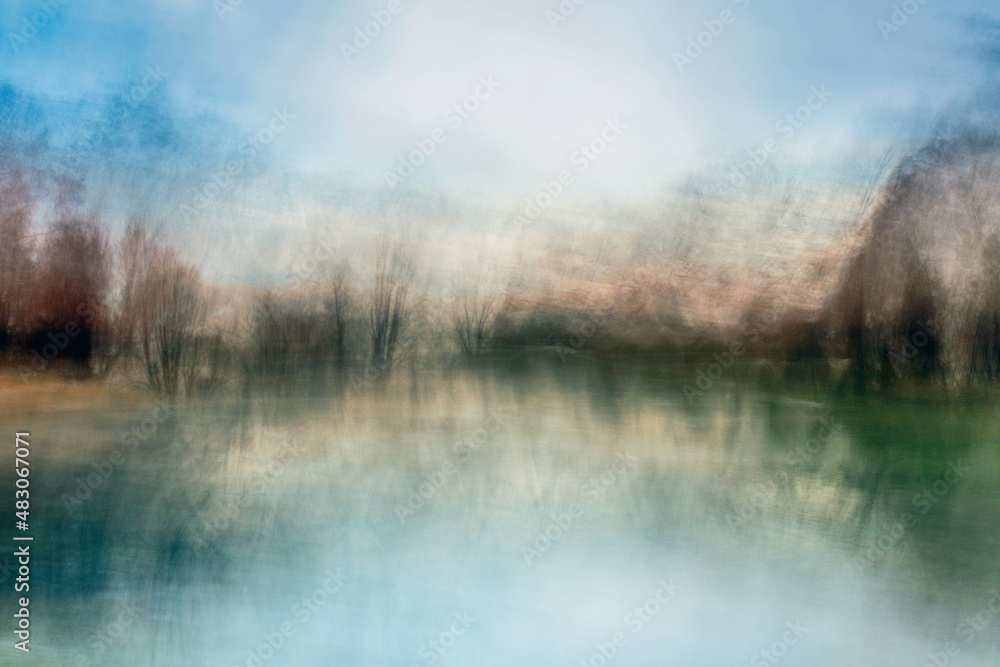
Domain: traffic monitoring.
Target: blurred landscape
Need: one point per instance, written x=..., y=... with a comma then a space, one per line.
x=910, y=290
x=474, y=333
x=806, y=444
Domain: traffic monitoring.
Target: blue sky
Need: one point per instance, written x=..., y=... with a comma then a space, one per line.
x=227, y=69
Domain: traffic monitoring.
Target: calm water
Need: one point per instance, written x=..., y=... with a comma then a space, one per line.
x=544, y=515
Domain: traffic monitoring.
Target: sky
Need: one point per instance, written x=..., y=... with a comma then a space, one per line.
x=536, y=81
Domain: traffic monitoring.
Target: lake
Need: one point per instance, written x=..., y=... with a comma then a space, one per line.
x=535, y=512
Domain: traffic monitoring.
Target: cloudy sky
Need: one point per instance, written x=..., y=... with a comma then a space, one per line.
x=349, y=108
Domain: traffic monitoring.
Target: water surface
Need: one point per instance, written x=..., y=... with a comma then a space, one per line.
x=517, y=516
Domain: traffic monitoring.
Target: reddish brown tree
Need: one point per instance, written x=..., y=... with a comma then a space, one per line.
x=68, y=310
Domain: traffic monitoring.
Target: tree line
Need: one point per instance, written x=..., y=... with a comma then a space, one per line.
x=898, y=304
x=76, y=299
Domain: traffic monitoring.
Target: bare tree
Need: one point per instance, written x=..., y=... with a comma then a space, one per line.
x=206, y=365
x=273, y=339
x=473, y=316
x=340, y=308
x=289, y=339
x=171, y=310
x=162, y=307
x=388, y=307
x=138, y=249
x=478, y=306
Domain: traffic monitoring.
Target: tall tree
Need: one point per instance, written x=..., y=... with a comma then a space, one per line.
x=16, y=257
x=162, y=308
x=388, y=306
